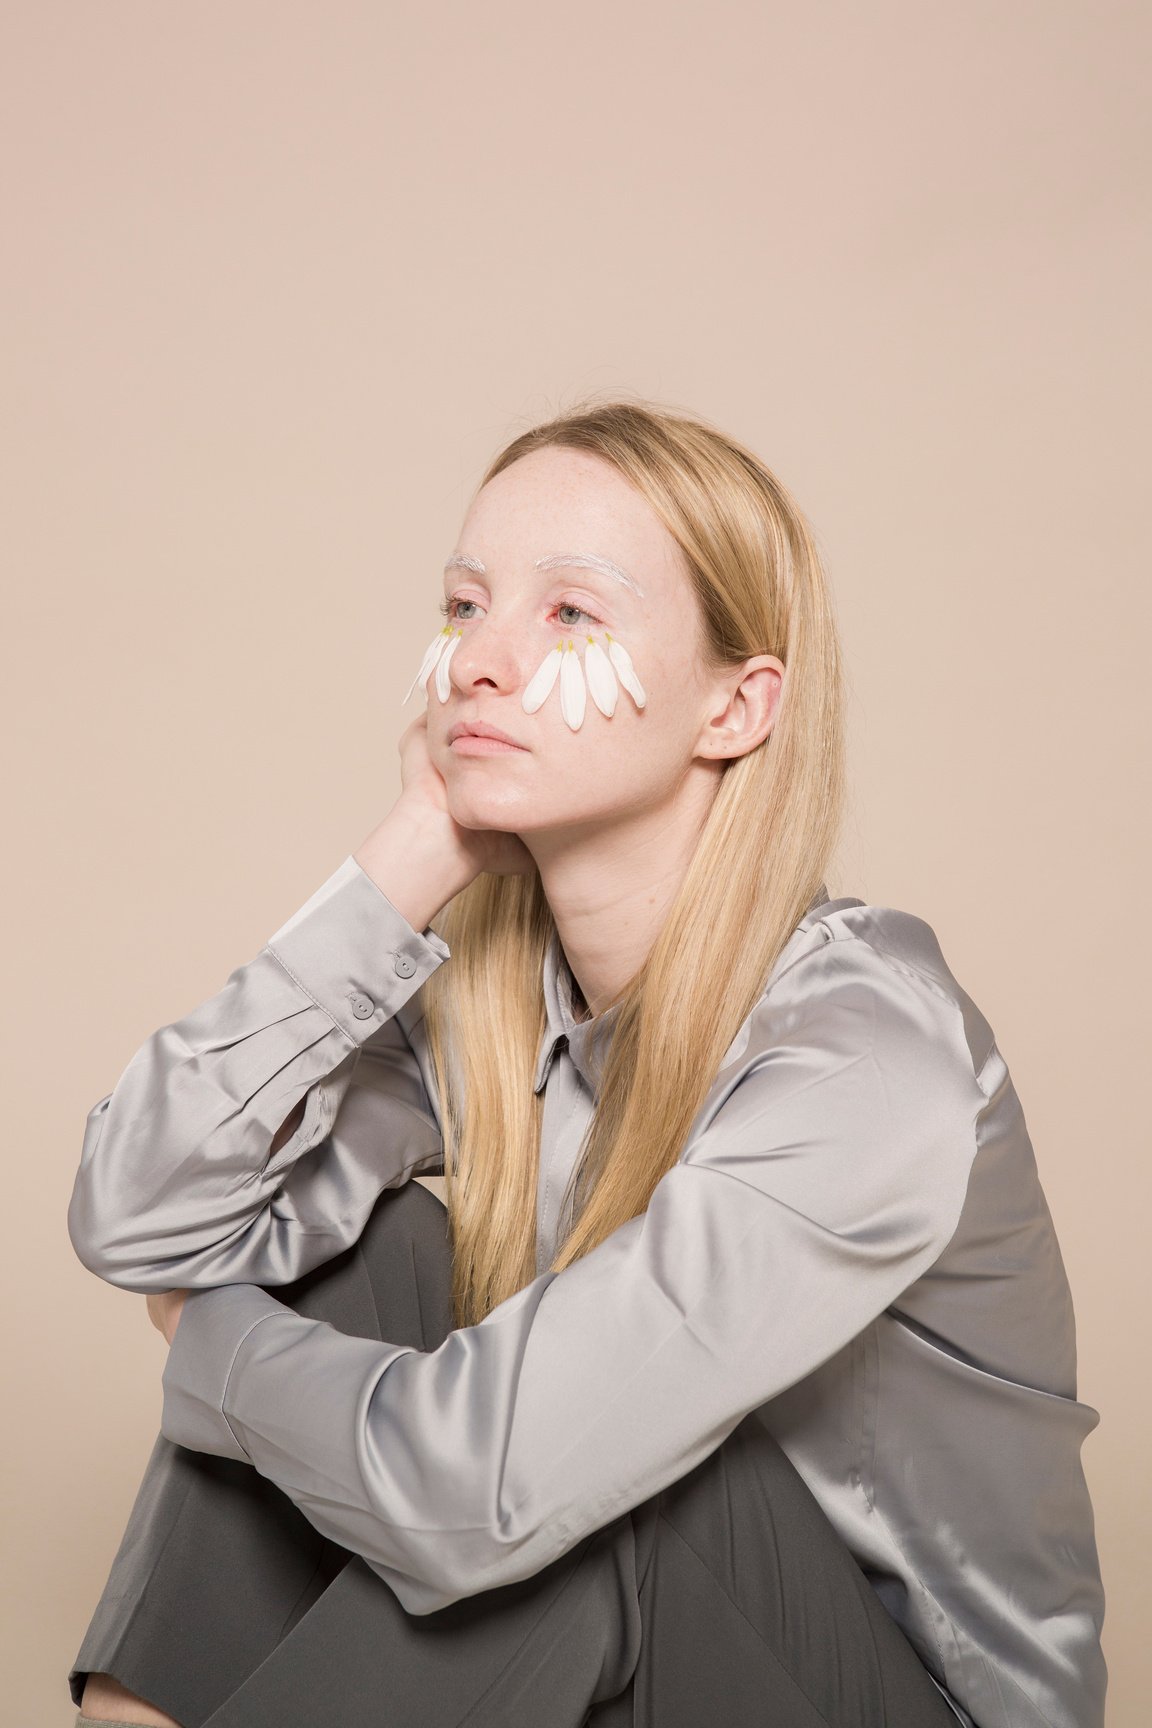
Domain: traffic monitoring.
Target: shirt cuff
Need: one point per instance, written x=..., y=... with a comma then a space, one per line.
x=213, y=1324
x=354, y=953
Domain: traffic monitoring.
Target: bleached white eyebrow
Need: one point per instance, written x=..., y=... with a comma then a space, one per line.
x=554, y=561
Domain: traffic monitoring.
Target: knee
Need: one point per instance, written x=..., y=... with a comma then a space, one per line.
x=417, y=1215
x=749, y=1470
x=407, y=1252
x=412, y=1212
x=394, y=1282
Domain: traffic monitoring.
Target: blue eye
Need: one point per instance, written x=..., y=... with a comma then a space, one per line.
x=571, y=606
x=449, y=610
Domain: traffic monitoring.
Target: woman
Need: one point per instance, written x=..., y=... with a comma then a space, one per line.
x=738, y=1380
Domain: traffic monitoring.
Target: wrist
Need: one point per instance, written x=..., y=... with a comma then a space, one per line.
x=411, y=857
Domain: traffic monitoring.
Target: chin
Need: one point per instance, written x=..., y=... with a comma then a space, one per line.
x=478, y=811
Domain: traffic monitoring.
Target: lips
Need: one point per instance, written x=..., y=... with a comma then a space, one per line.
x=480, y=729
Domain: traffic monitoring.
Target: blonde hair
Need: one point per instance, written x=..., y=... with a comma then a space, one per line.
x=762, y=855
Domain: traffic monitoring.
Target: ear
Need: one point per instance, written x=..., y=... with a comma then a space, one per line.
x=747, y=703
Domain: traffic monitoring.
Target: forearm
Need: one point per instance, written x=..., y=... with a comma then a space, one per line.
x=185, y=1178
x=474, y=1464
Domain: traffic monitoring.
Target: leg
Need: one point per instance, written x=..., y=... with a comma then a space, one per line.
x=730, y=1586
x=225, y=1605
x=729, y=1594
x=753, y=1608
x=105, y=1700
x=534, y=1652
x=216, y=1564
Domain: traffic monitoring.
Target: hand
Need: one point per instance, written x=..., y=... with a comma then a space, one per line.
x=485, y=849
x=165, y=1308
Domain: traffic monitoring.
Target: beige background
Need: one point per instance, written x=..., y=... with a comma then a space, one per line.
x=280, y=278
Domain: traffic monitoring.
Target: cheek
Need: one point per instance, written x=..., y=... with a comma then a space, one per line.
x=586, y=678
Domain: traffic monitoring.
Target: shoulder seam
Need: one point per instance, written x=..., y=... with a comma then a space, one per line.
x=895, y=965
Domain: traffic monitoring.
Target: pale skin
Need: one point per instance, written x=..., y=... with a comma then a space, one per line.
x=609, y=814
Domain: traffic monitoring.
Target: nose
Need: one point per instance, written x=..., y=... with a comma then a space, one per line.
x=486, y=656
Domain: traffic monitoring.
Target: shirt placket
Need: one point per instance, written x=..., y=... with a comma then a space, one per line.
x=565, y=1119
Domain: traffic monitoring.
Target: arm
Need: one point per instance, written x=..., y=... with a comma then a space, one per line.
x=830, y=1177
x=192, y=1173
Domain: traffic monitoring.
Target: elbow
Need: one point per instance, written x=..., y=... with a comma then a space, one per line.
x=87, y=1232
x=98, y=1246
x=454, y=1564
x=439, y=1582
x=418, y=1596
x=120, y=1250
x=98, y=1232
x=438, y=1525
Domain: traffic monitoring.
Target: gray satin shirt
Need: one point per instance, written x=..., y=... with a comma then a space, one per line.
x=854, y=1244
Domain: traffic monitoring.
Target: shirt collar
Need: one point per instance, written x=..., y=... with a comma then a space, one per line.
x=585, y=1037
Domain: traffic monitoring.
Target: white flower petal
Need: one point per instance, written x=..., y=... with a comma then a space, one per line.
x=572, y=692
x=622, y=661
x=431, y=654
x=542, y=680
x=443, y=688
x=602, y=684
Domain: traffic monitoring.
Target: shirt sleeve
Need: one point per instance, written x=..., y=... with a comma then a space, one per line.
x=830, y=1177
x=176, y=1186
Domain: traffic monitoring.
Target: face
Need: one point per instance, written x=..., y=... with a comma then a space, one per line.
x=516, y=621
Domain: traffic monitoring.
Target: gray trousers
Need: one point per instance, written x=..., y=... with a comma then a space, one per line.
x=727, y=1596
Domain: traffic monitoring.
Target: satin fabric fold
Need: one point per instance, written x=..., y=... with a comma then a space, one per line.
x=855, y=1244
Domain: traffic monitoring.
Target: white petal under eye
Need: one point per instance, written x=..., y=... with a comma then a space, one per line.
x=443, y=688
x=542, y=680
x=573, y=696
x=622, y=661
x=431, y=655
x=602, y=684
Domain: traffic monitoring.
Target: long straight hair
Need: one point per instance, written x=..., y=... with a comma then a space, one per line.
x=761, y=857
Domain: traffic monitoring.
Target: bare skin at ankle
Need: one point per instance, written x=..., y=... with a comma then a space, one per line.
x=107, y=1701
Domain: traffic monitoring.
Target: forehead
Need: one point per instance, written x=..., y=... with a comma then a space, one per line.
x=556, y=502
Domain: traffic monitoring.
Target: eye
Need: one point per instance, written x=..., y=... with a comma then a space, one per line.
x=571, y=606
x=449, y=610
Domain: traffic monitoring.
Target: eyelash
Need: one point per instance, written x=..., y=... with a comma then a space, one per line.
x=447, y=608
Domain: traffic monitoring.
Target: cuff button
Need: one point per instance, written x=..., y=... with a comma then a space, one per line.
x=405, y=965
x=362, y=1006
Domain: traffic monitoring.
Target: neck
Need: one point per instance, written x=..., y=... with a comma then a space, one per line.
x=610, y=890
